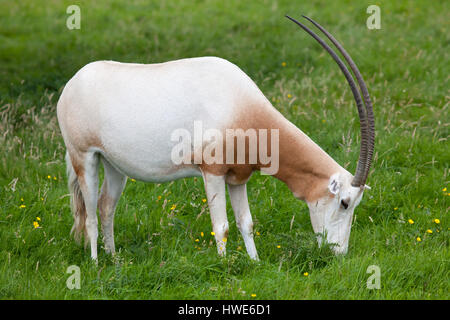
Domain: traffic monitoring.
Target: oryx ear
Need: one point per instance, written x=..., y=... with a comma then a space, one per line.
x=333, y=184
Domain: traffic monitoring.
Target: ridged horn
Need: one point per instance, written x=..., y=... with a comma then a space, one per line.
x=366, y=119
x=367, y=101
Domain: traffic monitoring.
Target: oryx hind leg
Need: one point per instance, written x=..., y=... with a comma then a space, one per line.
x=239, y=202
x=87, y=175
x=112, y=187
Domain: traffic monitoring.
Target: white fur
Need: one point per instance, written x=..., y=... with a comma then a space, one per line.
x=329, y=218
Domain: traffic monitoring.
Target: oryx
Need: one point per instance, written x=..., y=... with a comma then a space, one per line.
x=124, y=114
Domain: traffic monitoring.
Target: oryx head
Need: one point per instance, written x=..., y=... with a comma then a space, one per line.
x=332, y=213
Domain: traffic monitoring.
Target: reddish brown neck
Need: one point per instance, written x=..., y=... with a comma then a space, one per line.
x=304, y=166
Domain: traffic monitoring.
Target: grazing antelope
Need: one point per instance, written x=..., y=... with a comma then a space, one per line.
x=123, y=115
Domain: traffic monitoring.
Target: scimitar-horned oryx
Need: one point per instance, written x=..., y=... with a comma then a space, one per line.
x=124, y=115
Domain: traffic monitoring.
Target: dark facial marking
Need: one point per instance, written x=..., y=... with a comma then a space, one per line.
x=344, y=204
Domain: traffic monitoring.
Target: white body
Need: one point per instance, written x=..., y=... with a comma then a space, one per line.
x=124, y=114
x=136, y=108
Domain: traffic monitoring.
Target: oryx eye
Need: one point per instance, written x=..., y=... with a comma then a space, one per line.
x=344, y=204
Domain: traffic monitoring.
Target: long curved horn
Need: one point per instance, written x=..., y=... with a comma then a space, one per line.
x=367, y=101
x=360, y=169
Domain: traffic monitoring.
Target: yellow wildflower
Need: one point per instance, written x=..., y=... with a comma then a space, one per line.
x=22, y=206
x=36, y=224
x=395, y=208
x=278, y=246
x=54, y=178
x=224, y=239
x=49, y=177
x=283, y=64
x=213, y=233
x=437, y=221
x=429, y=231
x=289, y=95
x=38, y=219
x=133, y=180
x=21, y=199
x=445, y=189
x=202, y=234
x=418, y=239
x=203, y=200
x=253, y=295
x=411, y=221
x=196, y=240
x=306, y=274
x=173, y=207
x=257, y=233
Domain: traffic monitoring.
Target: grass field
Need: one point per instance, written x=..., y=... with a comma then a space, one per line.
x=406, y=67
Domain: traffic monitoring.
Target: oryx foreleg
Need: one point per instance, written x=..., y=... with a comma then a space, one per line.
x=215, y=192
x=239, y=202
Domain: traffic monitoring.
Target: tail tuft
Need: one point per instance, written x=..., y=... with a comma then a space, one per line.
x=77, y=203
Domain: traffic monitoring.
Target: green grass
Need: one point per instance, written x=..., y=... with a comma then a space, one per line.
x=406, y=68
